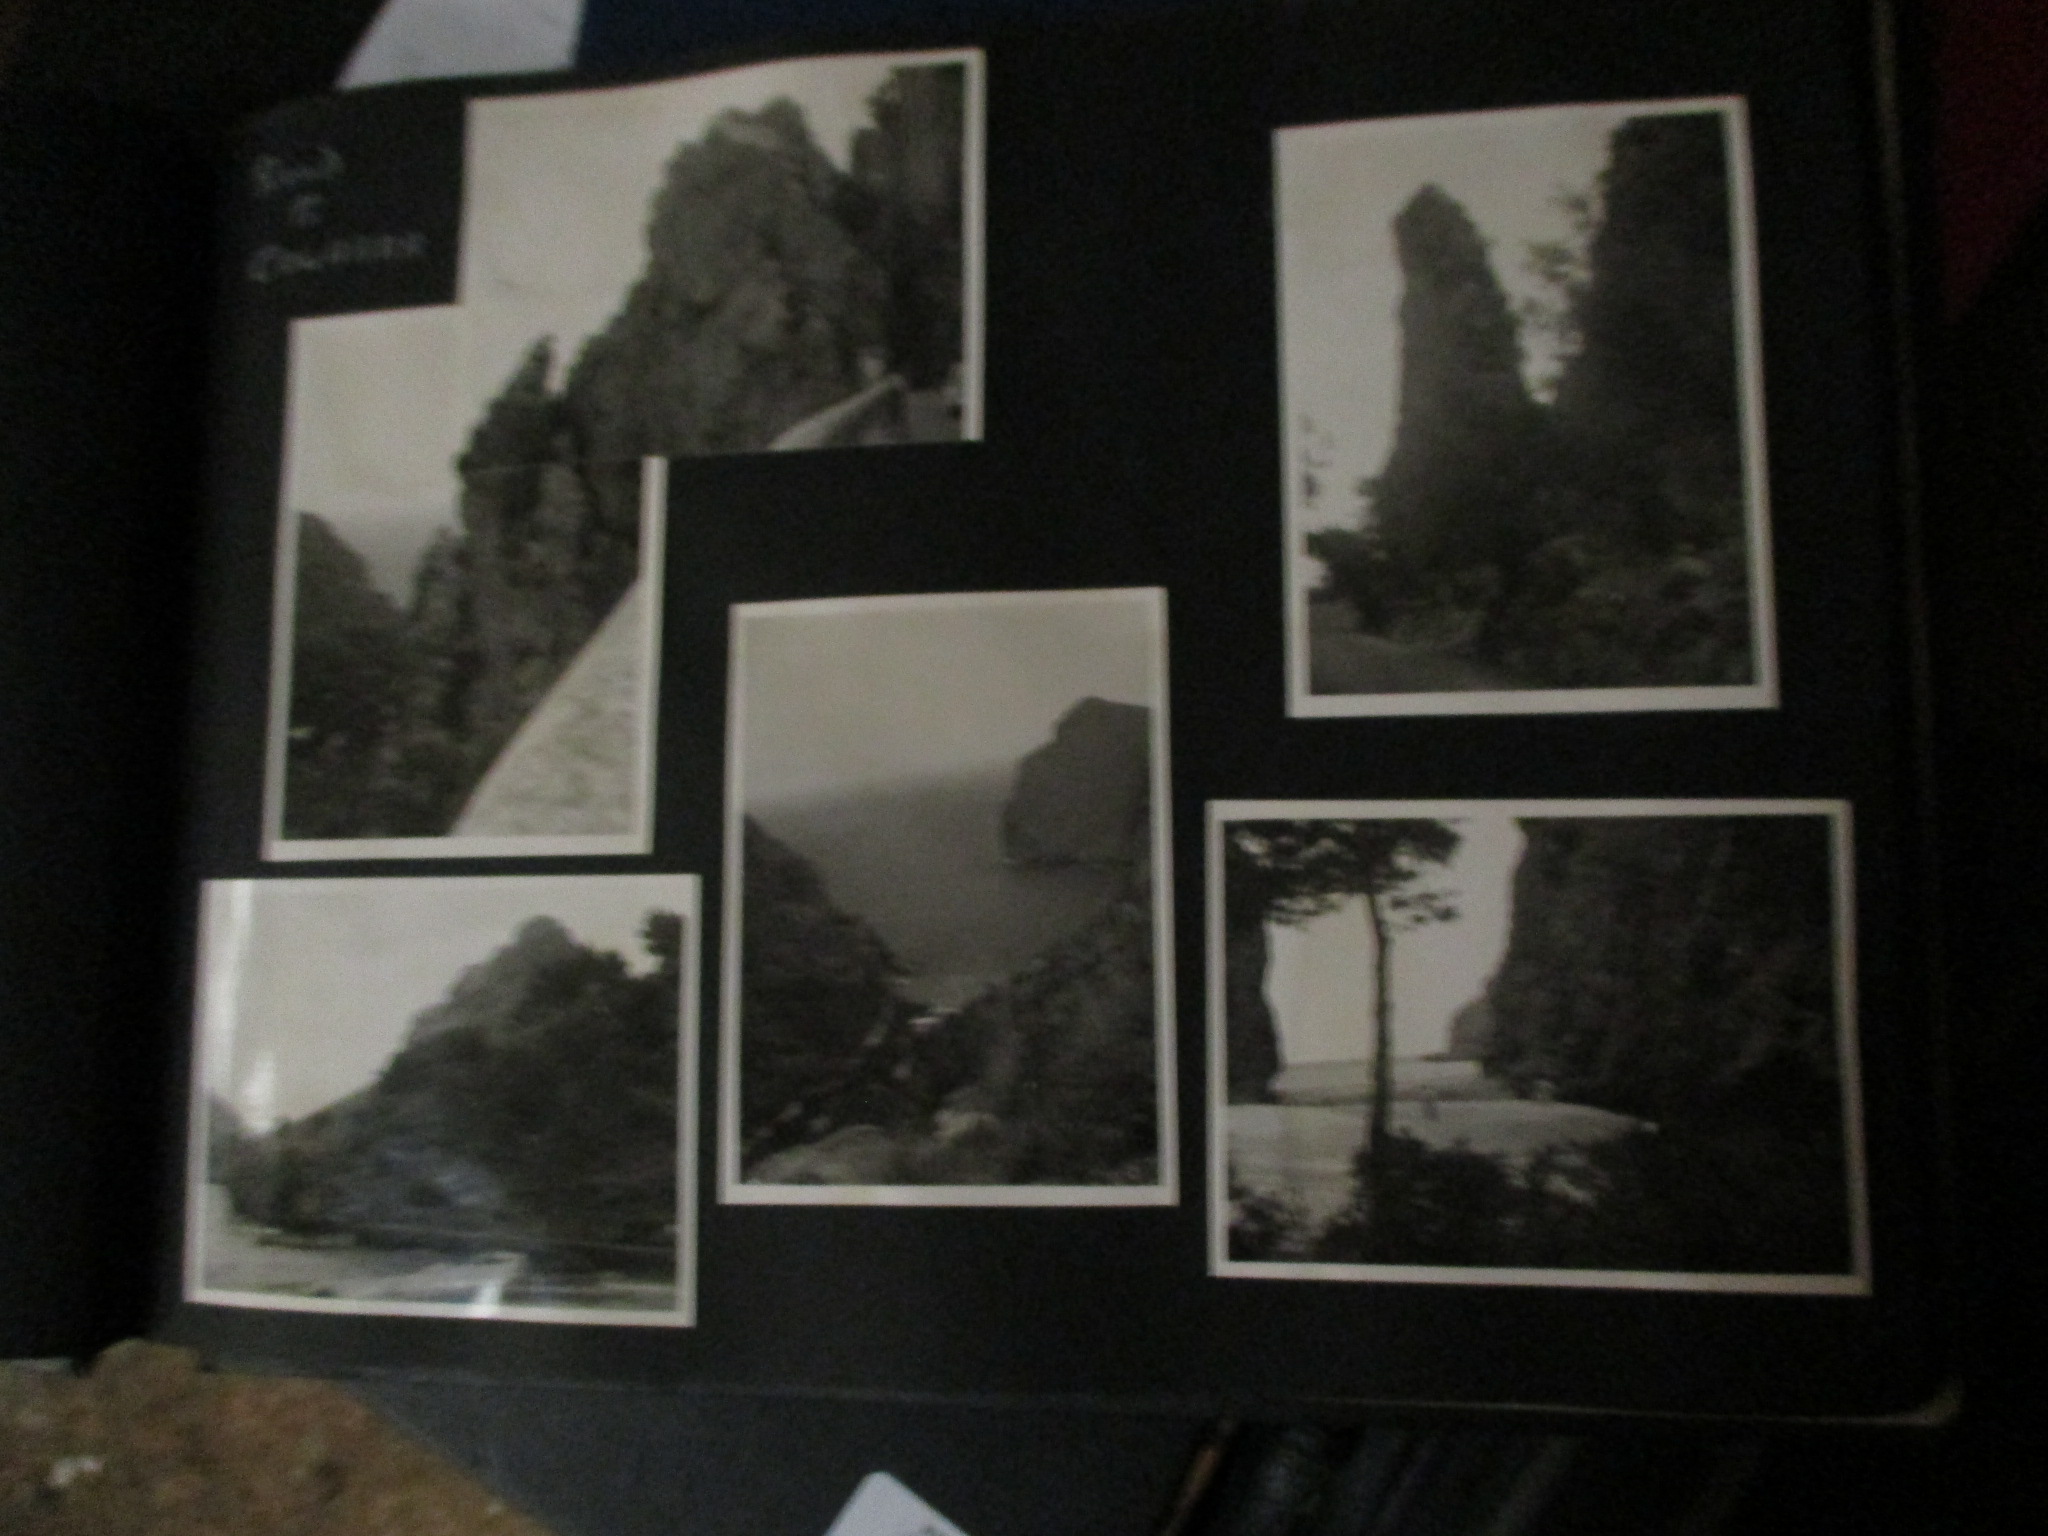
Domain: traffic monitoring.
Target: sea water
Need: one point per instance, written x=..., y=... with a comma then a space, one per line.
x=921, y=862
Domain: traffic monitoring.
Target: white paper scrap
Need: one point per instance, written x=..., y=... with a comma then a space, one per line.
x=429, y=39
x=881, y=1506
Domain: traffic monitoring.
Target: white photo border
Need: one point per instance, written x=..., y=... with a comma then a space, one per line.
x=1165, y=1191
x=219, y=942
x=1855, y=1282
x=1763, y=693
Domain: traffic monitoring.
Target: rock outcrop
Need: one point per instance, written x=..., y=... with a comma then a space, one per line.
x=1471, y=1031
x=492, y=995
x=1650, y=401
x=1085, y=797
x=1597, y=539
x=1468, y=442
x=1677, y=968
x=1251, y=1039
x=753, y=311
x=776, y=286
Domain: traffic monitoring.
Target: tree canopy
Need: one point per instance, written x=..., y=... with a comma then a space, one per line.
x=1291, y=871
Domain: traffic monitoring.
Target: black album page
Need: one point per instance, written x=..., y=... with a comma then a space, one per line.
x=1210, y=710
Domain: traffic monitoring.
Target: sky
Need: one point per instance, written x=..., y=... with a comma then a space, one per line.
x=556, y=195
x=835, y=696
x=1338, y=187
x=1319, y=981
x=310, y=985
x=376, y=415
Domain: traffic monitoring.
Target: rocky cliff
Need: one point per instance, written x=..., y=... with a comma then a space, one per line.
x=1676, y=968
x=1471, y=1031
x=775, y=285
x=1085, y=797
x=1251, y=1039
x=825, y=1041
x=396, y=718
x=754, y=309
x=1469, y=442
x=1649, y=399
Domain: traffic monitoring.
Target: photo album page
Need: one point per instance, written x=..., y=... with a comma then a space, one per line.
x=1201, y=709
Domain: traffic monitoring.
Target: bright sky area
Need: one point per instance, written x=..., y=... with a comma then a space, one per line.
x=1320, y=978
x=838, y=696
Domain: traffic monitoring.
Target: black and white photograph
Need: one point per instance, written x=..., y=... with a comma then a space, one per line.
x=447, y=1097
x=1571, y=1043
x=1522, y=413
x=780, y=257
x=462, y=689
x=948, y=966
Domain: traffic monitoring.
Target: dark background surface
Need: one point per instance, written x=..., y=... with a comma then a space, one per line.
x=98, y=425
x=192, y=65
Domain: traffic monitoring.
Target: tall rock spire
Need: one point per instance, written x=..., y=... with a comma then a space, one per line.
x=1457, y=481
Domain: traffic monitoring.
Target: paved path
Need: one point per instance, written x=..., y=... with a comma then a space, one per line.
x=479, y=1282
x=1348, y=662
x=874, y=415
x=574, y=764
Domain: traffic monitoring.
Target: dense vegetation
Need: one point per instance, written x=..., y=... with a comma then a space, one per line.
x=1066, y=1053
x=1049, y=1077
x=1675, y=1200
x=533, y=1109
x=1596, y=538
x=775, y=285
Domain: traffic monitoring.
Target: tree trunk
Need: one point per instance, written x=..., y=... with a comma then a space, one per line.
x=1382, y=1051
x=1251, y=1043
